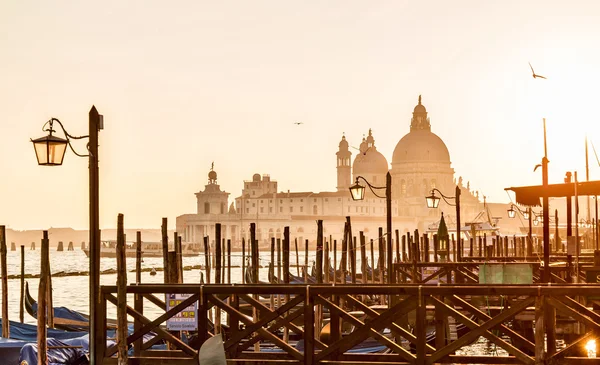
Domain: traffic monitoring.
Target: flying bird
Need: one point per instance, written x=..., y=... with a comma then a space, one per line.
x=298, y=123
x=534, y=74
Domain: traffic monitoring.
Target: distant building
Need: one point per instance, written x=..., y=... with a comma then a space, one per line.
x=420, y=162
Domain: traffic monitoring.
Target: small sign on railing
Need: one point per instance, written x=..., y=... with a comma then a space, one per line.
x=572, y=246
x=187, y=319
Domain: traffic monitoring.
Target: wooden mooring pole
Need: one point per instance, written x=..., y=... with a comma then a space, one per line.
x=21, y=307
x=207, y=260
x=121, y=294
x=286, y=270
x=42, y=305
x=138, y=299
x=50, y=305
x=138, y=257
x=165, y=246
x=5, y=321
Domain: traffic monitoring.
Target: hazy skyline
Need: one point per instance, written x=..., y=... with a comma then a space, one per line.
x=181, y=86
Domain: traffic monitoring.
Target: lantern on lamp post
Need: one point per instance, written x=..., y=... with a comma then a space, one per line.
x=50, y=151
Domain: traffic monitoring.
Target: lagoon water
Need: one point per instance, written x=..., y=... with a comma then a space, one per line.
x=72, y=291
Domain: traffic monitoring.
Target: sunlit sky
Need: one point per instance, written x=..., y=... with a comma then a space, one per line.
x=182, y=84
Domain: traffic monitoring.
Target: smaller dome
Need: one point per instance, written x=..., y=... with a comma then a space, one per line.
x=256, y=177
x=363, y=148
x=370, y=162
x=420, y=108
x=212, y=175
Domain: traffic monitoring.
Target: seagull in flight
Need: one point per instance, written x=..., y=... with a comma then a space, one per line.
x=298, y=123
x=534, y=74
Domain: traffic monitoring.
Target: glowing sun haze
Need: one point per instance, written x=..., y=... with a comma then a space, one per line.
x=182, y=84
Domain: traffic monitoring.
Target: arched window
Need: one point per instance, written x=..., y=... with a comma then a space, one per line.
x=206, y=208
x=222, y=208
x=402, y=187
x=425, y=186
x=315, y=209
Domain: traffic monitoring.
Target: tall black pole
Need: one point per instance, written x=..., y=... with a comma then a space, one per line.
x=569, y=209
x=596, y=221
x=546, y=215
x=94, y=126
x=458, y=241
x=529, y=238
x=388, y=207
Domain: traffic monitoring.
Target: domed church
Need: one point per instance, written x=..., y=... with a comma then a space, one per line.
x=420, y=163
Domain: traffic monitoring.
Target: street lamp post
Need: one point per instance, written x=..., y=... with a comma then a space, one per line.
x=527, y=214
x=596, y=222
x=50, y=151
x=433, y=202
x=358, y=193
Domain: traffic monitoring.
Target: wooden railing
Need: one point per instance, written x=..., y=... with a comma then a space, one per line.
x=401, y=329
x=468, y=272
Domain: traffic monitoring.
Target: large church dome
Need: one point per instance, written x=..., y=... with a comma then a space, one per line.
x=369, y=160
x=420, y=144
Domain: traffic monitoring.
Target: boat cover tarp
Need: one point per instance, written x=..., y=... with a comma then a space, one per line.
x=10, y=349
x=28, y=332
x=70, y=352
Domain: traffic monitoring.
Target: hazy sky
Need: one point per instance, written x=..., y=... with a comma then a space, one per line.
x=185, y=83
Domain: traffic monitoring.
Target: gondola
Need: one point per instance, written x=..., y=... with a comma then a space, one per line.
x=22, y=334
x=64, y=318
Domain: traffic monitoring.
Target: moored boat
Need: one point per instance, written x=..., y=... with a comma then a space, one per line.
x=64, y=318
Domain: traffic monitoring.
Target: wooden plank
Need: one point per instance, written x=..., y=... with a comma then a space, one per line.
x=265, y=319
x=574, y=313
x=395, y=328
x=373, y=333
x=281, y=321
x=484, y=327
x=517, y=338
x=363, y=331
x=577, y=345
x=153, y=325
x=446, y=309
x=260, y=331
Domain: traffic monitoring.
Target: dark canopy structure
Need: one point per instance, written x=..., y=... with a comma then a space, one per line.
x=531, y=195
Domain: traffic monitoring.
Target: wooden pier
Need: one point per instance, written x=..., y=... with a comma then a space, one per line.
x=388, y=326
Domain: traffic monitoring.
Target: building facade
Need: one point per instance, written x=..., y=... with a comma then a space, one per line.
x=420, y=162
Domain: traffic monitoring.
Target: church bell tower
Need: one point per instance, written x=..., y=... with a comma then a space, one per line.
x=343, y=166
